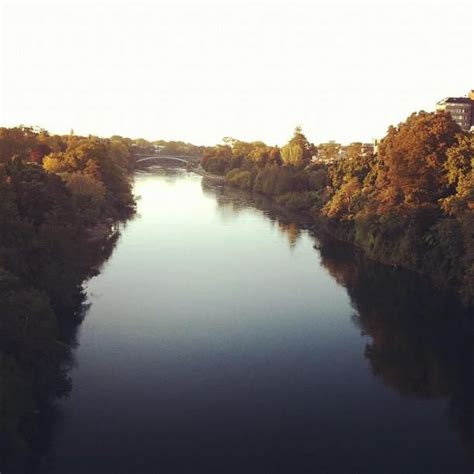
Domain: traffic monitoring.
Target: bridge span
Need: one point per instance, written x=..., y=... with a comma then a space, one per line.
x=182, y=159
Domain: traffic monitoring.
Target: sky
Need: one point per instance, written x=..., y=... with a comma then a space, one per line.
x=201, y=70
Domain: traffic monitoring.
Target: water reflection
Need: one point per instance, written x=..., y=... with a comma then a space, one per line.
x=422, y=340
x=291, y=230
x=209, y=347
x=36, y=358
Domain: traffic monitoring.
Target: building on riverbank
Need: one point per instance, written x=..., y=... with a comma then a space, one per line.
x=460, y=108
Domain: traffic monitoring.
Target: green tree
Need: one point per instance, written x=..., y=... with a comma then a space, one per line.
x=298, y=151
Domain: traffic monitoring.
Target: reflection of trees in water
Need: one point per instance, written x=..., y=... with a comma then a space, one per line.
x=422, y=340
x=291, y=230
x=170, y=172
x=35, y=359
x=231, y=202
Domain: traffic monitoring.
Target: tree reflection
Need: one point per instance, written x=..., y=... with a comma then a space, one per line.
x=36, y=345
x=291, y=231
x=422, y=339
x=232, y=201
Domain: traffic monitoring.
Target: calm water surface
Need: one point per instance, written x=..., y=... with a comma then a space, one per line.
x=219, y=339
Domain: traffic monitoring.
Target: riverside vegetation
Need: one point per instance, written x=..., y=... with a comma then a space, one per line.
x=409, y=205
x=59, y=198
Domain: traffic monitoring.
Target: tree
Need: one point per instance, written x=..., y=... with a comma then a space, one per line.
x=412, y=156
x=57, y=163
x=328, y=152
x=343, y=203
x=218, y=159
x=460, y=162
x=88, y=194
x=298, y=151
x=16, y=141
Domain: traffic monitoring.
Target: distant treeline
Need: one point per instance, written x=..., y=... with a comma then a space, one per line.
x=410, y=204
x=59, y=196
x=140, y=146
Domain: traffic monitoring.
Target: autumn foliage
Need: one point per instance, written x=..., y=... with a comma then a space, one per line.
x=409, y=205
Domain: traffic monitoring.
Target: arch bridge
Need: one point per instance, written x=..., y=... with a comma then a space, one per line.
x=167, y=158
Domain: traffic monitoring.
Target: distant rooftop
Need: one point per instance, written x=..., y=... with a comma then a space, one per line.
x=456, y=100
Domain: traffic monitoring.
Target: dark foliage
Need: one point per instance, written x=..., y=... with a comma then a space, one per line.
x=54, y=191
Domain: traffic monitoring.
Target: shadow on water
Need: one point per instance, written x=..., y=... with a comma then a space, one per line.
x=422, y=340
x=36, y=356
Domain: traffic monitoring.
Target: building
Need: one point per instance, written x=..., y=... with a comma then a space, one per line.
x=460, y=108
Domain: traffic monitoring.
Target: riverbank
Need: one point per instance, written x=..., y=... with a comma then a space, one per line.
x=208, y=175
x=60, y=200
x=344, y=232
x=408, y=205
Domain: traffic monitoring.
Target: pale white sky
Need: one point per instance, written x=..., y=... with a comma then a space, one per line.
x=199, y=70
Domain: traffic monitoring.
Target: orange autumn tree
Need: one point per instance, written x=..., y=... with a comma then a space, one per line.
x=410, y=170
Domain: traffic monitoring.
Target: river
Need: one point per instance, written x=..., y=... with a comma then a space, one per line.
x=224, y=338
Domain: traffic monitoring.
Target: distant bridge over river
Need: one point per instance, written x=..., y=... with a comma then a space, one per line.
x=163, y=159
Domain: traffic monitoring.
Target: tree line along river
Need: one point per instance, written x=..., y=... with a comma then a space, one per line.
x=223, y=336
